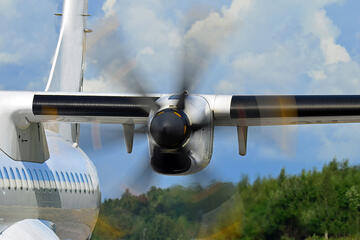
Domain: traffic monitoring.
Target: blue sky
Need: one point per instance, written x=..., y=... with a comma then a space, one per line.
x=256, y=46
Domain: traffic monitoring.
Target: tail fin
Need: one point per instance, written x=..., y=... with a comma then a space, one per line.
x=68, y=62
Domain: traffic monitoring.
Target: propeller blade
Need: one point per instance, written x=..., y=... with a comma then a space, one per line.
x=111, y=134
x=116, y=66
x=284, y=137
x=144, y=177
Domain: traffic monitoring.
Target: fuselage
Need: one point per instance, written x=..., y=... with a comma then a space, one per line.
x=64, y=190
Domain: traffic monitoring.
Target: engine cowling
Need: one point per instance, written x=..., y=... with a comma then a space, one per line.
x=181, y=141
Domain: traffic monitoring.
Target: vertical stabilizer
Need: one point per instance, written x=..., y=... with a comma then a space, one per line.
x=68, y=62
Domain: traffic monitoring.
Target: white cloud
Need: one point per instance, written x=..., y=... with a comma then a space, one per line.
x=324, y=29
x=213, y=30
x=291, y=48
x=96, y=85
x=108, y=7
x=30, y=34
x=8, y=58
x=27, y=42
x=144, y=36
x=225, y=87
x=8, y=8
x=288, y=47
x=147, y=51
x=338, y=140
x=317, y=75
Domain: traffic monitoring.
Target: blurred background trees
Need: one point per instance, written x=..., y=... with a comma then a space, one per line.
x=312, y=205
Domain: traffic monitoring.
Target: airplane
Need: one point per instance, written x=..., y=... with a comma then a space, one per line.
x=49, y=188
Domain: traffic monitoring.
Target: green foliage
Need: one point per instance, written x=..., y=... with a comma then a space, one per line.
x=312, y=205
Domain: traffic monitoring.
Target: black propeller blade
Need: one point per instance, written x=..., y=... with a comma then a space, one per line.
x=192, y=65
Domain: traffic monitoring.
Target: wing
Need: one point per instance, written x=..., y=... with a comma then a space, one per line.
x=22, y=113
x=92, y=108
x=284, y=109
x=227, y=110
x=244, y=111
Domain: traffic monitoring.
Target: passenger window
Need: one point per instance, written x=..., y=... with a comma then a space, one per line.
x=85, y=187
x=91, y=184
x=2, y=179
x=87, y=182
x=18, y=173
x=47, y=180
x=62, y=177
x=57, y=181
x=69, y=182
x=18, y=179
x=51, y=176
x=78, y=182
x=31, y=178
x=41, y=178
x=52, y=180
x=12, y=177
x=63, y=181
x=77, y=178
x=6, y=173
x=81, y=177
x=73, y=180
x=72, y=177
x=6, y=178
x=38, y=180
x=26, y=182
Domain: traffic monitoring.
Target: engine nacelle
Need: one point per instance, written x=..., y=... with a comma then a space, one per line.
x=181, y=141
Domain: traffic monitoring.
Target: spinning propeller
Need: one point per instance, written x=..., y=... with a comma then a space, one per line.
x=180, y=128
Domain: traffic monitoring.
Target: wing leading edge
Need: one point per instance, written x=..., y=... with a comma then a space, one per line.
x=237, y=110
x=261, y=110
x=23, y=112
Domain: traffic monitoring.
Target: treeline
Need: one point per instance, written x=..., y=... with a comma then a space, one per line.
x=313, y=205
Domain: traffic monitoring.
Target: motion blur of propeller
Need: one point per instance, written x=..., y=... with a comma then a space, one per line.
x=103, y=137
x=170, y=127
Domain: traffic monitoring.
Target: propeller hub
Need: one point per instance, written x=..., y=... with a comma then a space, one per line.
x=170, y=128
